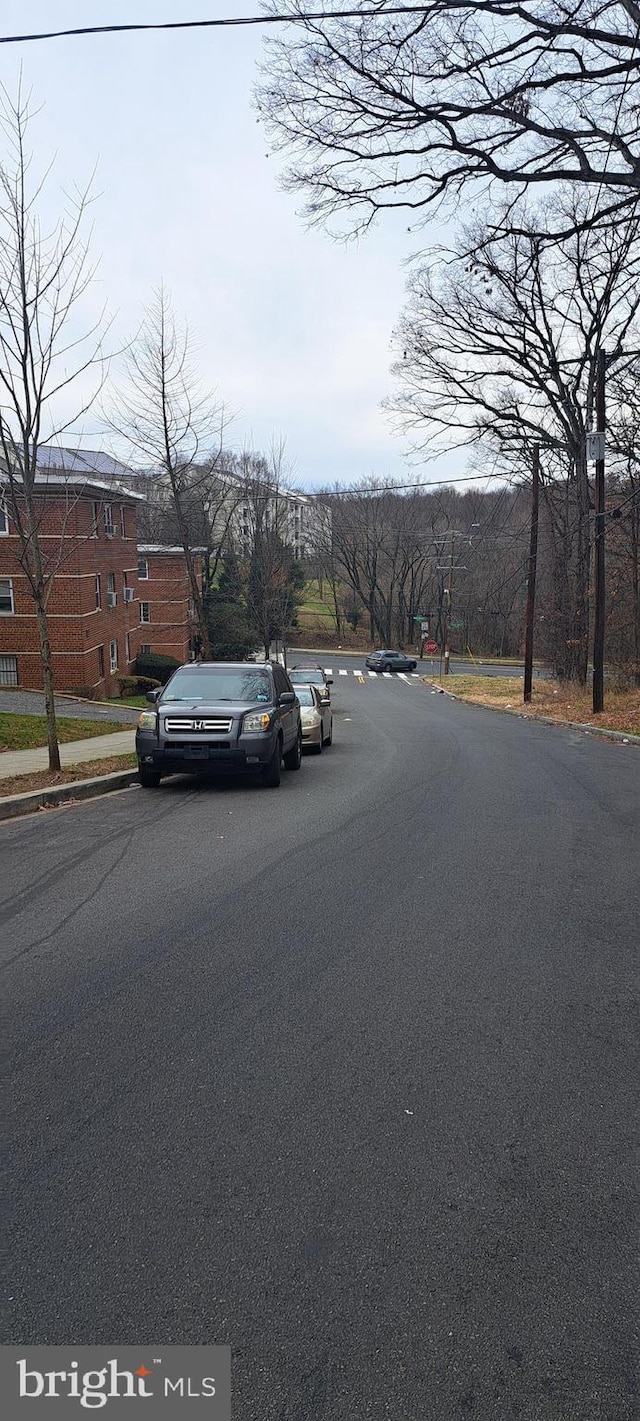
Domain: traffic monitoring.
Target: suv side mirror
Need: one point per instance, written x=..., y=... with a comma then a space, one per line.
x=154, y=695
x=286, y=698
x=329, y=680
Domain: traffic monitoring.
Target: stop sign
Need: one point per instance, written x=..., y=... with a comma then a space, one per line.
x=431, y=647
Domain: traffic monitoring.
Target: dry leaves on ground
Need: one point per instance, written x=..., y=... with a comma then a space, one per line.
x=44, y=779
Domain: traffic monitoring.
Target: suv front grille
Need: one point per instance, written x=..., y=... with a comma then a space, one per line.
x=209, y=725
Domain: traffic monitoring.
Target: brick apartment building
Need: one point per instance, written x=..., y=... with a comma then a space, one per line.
x=167, y=622
x=98, y=614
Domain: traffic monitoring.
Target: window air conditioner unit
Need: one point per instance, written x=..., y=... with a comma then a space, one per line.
x=112, y=599
x=129, y=594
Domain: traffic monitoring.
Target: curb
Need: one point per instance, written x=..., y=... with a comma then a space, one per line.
x=15, y=805
x=622, y=735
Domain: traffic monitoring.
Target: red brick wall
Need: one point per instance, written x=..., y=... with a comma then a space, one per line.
x=77, y=628
x=167, y=595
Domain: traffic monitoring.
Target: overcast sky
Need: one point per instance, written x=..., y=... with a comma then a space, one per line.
x=293, y=330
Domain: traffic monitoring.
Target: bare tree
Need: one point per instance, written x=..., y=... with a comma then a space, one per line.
x=385, y=110
x=501, y=348
x=43, y=278
x=274, y=579
x=177, y=429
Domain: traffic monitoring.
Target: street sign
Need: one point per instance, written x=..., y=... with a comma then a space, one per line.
x=431, y=647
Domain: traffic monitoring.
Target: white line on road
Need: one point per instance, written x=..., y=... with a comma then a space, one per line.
x=387, y=674
x=328, y=671
x=373, y=674
x=343, y=673
x=403, y=677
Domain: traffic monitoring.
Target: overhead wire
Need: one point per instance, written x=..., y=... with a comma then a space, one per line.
x=225, y=23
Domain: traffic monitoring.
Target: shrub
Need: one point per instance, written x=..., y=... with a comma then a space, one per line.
x=136, y=685
x=156, y=666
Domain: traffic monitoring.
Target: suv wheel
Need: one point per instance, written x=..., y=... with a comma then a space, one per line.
x=293, y=757
x=149, y=779
x=271, y=772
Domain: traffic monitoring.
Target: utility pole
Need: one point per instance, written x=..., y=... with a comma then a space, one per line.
x=447, y=608
x=531, y=580
x=599, y=568
x=447, y=611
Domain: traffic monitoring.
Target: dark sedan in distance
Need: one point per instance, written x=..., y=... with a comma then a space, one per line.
x=390, y=661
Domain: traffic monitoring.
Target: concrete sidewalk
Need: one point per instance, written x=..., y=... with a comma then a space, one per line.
x=26, y=762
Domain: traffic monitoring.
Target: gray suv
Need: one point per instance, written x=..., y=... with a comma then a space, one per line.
x=222, y=717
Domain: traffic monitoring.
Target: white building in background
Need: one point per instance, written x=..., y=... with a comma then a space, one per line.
x=301, y=521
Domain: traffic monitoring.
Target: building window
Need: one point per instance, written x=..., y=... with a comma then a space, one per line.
x=95, y=519
x=107, y=514
x=8, y=670
x=145, y=615
x=113, y=656
x=101, y=662
x=4, y=518
x=127, y=647
x=143, y=569
x=6, y=596
x=123, y=525
x=146, y=646
x=112, y=596
x=98, y=592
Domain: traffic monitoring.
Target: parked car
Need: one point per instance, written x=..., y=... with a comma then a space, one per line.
x=390, y=661
x=221, y=717
x=316, y=717
x=301, y=677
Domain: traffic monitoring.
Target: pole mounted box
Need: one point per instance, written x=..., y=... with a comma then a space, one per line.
x=595, y=446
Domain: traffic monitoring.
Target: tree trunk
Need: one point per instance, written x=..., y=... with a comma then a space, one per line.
x=47, y=670
x=38, y=587
x=581, y=615
x=336, y=608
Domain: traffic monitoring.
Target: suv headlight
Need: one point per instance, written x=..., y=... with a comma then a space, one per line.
x=147, y=720
x=256, y=721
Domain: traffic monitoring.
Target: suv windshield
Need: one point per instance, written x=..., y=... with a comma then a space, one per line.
x=223, y=684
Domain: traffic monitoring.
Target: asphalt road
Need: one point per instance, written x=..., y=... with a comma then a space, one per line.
x=340, y=1073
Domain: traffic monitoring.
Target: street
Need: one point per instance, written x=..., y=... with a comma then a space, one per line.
x=342, y=1073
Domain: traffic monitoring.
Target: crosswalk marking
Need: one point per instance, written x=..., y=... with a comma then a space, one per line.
x=360, y=674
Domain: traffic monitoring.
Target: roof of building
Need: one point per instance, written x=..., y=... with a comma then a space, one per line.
x=151, y=548
x=82, y=461
x=78, y=484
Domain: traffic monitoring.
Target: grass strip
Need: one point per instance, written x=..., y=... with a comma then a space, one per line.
x=560, y=702
x=29, y=732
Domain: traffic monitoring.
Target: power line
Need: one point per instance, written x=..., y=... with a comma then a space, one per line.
x=217, y=24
